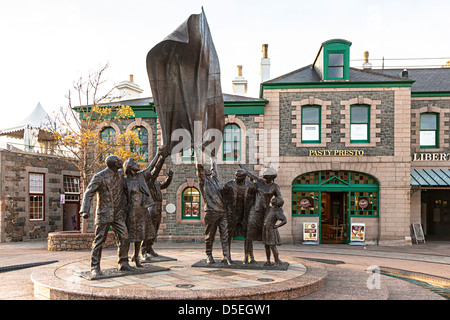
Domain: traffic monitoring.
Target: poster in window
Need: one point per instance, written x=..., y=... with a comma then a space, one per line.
x=358, y=232
x=310, y=132
x=306, y=202
x=310, y=231
x=427, y=138
x=358, y=132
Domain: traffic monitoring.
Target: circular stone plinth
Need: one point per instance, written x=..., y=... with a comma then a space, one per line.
x=180, y=282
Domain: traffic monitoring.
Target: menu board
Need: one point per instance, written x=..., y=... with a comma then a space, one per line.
x=418, y=232
x=358, y=232
x=310, y=231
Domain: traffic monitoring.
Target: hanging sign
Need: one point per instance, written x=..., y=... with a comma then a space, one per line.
x=358, y=232
x=310, y=231
x=62, y=198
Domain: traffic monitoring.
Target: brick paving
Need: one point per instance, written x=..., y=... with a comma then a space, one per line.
x=341, y=283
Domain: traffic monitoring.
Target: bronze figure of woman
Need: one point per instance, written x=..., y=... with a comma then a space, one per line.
x=265, y=189
x=139, y=199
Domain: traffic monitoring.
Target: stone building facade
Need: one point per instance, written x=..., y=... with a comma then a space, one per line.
x=31, y=186
x=361, y=155
x=347, y=144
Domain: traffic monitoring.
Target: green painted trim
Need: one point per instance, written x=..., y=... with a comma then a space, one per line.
x=339, y=187
x=364, y=216
x=231, y=107
x=245, y=107
x=145, y=111
x=417, y=94
x=243, y=110
x=334, y=84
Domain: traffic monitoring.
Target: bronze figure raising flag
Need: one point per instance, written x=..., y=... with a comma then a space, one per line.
x=184, y=76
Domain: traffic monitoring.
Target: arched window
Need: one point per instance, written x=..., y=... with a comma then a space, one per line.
x=141, y=150
x=108, y=136
x=190, y=203
x=232, y=142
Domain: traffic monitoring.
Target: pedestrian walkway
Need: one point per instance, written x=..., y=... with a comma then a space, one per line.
x=342, y=280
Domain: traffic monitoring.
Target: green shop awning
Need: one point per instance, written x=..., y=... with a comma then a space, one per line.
x=430, y=178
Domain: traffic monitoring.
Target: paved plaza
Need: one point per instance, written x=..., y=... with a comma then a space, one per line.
x=340, y=272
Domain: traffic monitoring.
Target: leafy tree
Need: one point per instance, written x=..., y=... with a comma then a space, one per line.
x=77, y=129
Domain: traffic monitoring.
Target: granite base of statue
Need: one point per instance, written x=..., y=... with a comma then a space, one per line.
x=257, y=265
x=114, y=272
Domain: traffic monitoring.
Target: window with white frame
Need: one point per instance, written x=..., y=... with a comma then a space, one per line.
x=311, y=124
x=429, y=130
x=36, y=196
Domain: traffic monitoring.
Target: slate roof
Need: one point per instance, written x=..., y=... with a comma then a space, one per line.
x=309, y=74
x=429, y=79
x=148, y=100
x=425, y=80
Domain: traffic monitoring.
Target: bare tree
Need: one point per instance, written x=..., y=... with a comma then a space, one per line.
x=76, y=126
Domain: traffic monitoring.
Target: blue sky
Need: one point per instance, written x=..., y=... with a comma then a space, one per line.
x=47, y=44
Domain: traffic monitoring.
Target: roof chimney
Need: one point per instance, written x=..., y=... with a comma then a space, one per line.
x=367, y=65
x=265, y=63
x=129, y=90
x=240, y=83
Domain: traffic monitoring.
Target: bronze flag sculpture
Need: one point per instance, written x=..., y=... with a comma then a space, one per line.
x=184, y=75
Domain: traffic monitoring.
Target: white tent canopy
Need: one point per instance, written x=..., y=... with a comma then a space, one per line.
x=30, y=129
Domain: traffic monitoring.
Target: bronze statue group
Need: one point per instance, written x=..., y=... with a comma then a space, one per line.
x=129, y=201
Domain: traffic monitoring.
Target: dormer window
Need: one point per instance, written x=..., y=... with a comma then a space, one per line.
x=335, y=66
x=333, y=60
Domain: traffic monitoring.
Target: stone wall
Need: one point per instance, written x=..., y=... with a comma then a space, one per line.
x=15, y=167
x=75, y=240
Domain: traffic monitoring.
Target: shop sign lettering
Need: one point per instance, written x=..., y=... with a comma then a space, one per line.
x=430, y=157
x=336, y=153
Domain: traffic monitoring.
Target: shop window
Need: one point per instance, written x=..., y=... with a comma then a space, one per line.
x=311, y=124
x=429, y=130
x=232, y=142
x=142, y=149
x=363, y=203
x=359, y=124
x=36, y=195
x=335, y=66
x=190, y=203
x=305, y=203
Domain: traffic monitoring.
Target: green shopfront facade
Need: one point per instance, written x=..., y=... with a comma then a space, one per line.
x=334, y=199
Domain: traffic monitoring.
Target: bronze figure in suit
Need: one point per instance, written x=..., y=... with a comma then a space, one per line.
x=108, y=185
x=215, y=211
x=155, y=208
x=239, y=195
